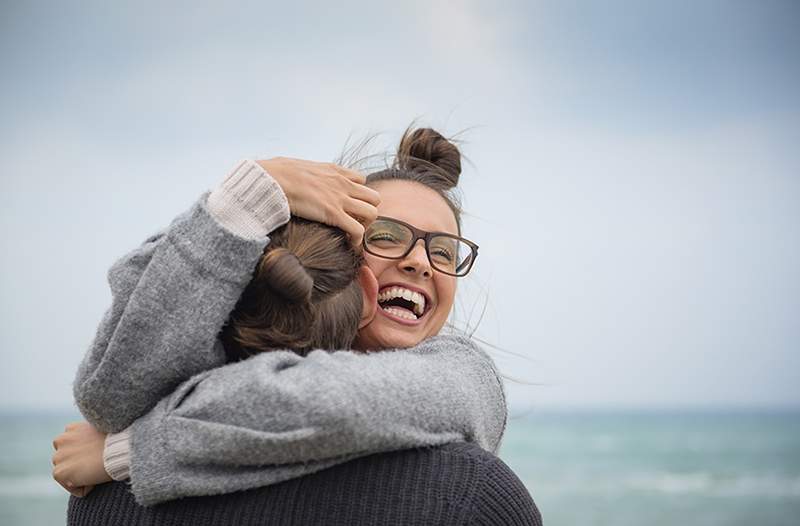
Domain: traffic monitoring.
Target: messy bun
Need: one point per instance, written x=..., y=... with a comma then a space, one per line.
x=303, y=295
x=426, y=157
x=425, y=150
x=285, y=275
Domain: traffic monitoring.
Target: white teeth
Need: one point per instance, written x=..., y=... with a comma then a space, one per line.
x=400, y=313
x=410, y=295
x=419, y=303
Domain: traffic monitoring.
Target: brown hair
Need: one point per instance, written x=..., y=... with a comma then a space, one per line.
x=304, y=294
x=426, y=157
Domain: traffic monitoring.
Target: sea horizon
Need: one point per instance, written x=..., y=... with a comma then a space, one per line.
x=602, y=466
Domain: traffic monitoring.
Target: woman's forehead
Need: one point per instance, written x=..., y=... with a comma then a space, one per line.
x=416, y=204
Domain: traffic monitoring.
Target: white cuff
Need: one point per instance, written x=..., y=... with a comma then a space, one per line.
x=249, y=202
x=117, y=455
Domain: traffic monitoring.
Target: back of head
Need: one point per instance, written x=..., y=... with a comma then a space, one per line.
x=304, y=294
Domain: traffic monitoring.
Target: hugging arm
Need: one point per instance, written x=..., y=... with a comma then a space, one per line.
x=172, y=295
x=279, y=415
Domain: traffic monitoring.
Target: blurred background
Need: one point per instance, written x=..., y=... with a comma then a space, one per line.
x=632, y=176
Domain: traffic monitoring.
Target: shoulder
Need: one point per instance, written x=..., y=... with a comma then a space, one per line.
x=498, y=495
x=456, y=343
x=455, y=483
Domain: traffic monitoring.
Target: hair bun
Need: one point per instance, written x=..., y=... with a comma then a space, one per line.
x=286, y=275
x=426, y=150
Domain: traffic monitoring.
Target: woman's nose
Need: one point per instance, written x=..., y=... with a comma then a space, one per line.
x=417, y=261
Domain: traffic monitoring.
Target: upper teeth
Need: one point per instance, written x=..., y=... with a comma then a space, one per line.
x=400, y=292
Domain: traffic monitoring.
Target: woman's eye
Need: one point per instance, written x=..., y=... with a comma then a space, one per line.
x=382, y=237
x=444, y=254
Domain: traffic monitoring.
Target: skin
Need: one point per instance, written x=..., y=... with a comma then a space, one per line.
x=77, y=466
x=310, y=188
x=422, y=207
x=326, y=193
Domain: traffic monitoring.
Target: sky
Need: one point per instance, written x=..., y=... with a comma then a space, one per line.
x=631, y=172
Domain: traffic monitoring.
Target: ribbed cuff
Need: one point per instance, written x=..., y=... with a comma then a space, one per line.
x=249, y=202
x=117, y=455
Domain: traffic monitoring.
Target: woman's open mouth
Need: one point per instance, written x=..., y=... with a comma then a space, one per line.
x=402, y=304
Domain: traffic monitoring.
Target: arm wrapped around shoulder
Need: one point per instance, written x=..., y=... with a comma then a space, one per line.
x=279, y=415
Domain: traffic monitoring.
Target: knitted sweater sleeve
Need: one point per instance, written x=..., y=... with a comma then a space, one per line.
x=279, y=415
x=172, y=295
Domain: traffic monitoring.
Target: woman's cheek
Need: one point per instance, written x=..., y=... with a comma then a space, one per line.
x=446, y=290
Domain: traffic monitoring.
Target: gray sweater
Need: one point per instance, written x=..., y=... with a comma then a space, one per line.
x=201, y=427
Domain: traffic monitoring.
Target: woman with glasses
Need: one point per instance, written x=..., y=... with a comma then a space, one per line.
x=429, y=390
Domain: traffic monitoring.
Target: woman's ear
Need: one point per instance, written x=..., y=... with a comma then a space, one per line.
x=369, y=291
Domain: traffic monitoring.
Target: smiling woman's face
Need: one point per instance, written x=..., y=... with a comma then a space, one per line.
x=394, y=326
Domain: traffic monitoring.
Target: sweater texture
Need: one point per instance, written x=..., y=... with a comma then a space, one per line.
x=454, y=484
x=201, y=427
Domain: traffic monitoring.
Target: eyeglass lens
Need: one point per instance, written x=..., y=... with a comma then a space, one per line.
x=390, y=239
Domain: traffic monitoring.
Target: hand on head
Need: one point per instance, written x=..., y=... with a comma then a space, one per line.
x=325, y=192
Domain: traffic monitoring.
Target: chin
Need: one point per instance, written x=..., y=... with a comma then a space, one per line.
x=402, y=339
x=378, y=336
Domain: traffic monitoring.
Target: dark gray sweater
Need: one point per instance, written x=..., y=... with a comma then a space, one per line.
x=454, y=484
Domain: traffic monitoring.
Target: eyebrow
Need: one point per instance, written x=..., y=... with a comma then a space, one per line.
x=456, y=233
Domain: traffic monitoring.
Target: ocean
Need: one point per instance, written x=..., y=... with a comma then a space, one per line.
x=582, y=468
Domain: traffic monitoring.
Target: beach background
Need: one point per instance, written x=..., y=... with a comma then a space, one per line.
x=630, y=174
x=590, y=468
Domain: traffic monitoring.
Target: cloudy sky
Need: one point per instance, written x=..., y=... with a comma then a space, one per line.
x=633, y=177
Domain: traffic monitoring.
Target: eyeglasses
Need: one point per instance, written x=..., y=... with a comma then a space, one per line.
x=393, y=239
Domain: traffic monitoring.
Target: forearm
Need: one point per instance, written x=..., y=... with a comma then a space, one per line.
x=171, y=297
x=279, y=415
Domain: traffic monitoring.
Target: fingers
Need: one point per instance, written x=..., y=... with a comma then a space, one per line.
x=60, y=476
x=363, y=213
x=353, y=175
x=60, y=439
x=63, y=476
x=77, y=492
x=353, y=228
x=365, y=193
x=82, y=491
x=65, y=485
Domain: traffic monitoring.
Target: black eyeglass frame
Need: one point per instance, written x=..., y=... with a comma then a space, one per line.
x=417, y=234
